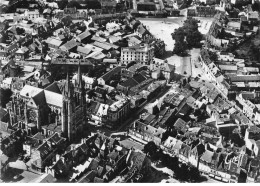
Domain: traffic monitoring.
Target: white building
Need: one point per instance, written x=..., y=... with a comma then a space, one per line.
x=89, y=81
x=142, y=53
x=32, y=14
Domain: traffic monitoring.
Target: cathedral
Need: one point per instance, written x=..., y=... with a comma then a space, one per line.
x=60, y=108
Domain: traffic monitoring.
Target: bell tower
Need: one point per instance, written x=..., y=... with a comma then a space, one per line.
x=67, y=108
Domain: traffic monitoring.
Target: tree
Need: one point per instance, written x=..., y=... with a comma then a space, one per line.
x=213, y=56
x=150, y=148
x=174, y=163
x=5, y=95
x=73, y=4
x=187, y=36
x=179, y=34
x=182, y=172
x=255, y=7
x=193, y=173
x=193, y=38
x=90, y=72
x=66, y=20
x=180, y=48
x=62, y=4
x=190, y=24
x=20, y=31
x=92, y=4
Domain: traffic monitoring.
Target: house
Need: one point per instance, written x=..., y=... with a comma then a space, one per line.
x=208, y=2
x=69, y=46
x=172, y=145
x=90, y=83
x=117, y=112
x=53, y=43
x=253, y=169
x=162, y=67
x=142, y=32
x=21, y=53
x=105, y=46
x=32, y=14
x=131, y=82
x=107, y=77
x=84, y=51
x=232, y=25
x=167, y=71
x=191, y=12
x=180, y=125
x=205, y=11
x=84, y=37
x=146, y=132
x=253, y=16
x=132, y=41
x=3, y=54
x=43, y=155
x=252, y=139
x=11, y=141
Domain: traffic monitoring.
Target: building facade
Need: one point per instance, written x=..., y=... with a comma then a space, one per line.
x=142, y=53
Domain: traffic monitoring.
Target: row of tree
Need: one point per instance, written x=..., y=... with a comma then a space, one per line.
x=186, y=37
x=182, y=171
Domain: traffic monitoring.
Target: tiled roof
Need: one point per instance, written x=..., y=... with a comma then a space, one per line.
x=84, y=50
x=53, y=98
x=129, y=83
x=99, y=39
x=207, y=156
x=102, y=45
x=3, y=113
x=53, y=88
x=139, y=78
x=180, y=124
x=38, y=99
x=69, y=45
x=44, y=150
x=29, y=91
x=109, y=74
x=253, y=129
x=4, y=159
x=98, y=180
x=38, y=136
x=242, y=78
x=84, y=35
x=54, y=42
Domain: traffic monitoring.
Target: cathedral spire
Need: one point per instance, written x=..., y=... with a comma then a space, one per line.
x=67, y=87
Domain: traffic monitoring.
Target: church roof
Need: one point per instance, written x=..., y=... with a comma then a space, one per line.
x=53, y=98
x=53, y=88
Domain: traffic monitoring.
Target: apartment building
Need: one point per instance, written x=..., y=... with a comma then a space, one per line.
x=142, y=53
